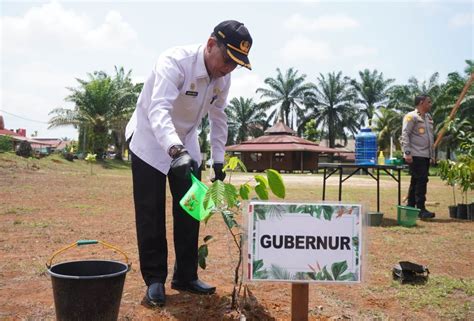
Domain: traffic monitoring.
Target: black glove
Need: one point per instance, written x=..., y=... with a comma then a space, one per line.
x=183, y=165
x=218, y=172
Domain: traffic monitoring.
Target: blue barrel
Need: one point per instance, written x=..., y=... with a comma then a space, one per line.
x=366, y=147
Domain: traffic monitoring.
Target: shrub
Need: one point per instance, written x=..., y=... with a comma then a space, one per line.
x=6, y=144
x=25, y=150
x=68, y=156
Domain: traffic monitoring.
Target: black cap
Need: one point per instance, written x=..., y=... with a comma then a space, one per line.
x=237, y=39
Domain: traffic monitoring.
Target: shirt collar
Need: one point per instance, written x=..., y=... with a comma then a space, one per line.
x=201, y=71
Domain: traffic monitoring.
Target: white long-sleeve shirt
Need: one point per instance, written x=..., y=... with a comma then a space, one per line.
x=173, y=101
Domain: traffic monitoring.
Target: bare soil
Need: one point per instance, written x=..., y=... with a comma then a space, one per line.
x=49, y=203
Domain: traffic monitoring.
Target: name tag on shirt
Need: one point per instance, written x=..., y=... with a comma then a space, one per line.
x=191, y=93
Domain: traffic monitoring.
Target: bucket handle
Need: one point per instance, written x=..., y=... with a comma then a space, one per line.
x=86, y=242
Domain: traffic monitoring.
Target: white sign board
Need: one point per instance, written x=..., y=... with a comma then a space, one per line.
x=316, y=242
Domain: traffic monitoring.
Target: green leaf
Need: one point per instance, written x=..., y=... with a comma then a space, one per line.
x=261, y=180
x=230, y=194
x=261, y=191
x=261, y=187
x=276, y=183
x=328, y=211
x=326, y=274
x=216, y=193
x=233, y=163
x=257, y=265
x=202, y=255
x=245, y=191
x=229, y=219
x=260, y=211
x=338, y=268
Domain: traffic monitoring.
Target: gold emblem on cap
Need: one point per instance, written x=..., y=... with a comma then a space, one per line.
x=245, y=46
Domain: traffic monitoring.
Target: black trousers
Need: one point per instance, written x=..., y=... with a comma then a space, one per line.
x=149, y=193
x=419, y=170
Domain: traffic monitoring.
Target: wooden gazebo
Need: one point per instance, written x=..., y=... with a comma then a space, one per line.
x=279, y=148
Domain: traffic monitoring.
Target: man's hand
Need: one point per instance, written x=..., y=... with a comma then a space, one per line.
x=408, y=159
x=183, y=165
x=219, y=174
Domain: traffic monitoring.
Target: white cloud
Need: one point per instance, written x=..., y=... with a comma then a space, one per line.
x=39, y=76
x=327, y=22
x=358, y=51
x=245, y=85
x=51, y=26
x=462, y=20
x=304, y=48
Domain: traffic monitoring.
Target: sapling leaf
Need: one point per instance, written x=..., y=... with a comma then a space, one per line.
x=276, y=183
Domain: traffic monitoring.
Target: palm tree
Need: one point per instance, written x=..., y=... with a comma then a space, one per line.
x=387, y=124
x=330, y=102
x=286, y=96
x=101, y=106
x=122, y=110
x=245, y=118
x=372, y=91
x=401, y=97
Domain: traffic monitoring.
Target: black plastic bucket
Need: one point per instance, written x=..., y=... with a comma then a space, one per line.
x=88, y=290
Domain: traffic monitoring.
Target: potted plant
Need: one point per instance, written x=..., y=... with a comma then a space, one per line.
x=447, y=173
x=465, y=181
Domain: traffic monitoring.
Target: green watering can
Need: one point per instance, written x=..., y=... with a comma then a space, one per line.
x=193, y=201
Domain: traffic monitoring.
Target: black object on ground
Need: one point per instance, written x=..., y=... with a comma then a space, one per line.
x=411, y=273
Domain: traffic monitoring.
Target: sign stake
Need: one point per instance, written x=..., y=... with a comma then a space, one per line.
x=299, y=301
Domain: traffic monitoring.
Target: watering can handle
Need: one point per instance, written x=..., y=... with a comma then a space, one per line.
x=85, y=242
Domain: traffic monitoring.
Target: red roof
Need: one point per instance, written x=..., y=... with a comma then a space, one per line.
x=279, y=128
x=8, y=132
x=279, y=138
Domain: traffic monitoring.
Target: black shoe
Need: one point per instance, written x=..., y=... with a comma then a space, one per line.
x=155, y=295
x=196, y=286
x=426, y=214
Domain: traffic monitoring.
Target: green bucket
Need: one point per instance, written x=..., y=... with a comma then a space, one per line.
x=193, y=201
x=407, y=215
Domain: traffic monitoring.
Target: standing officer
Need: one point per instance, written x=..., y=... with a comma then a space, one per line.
x=185, y=84
x=417, y=144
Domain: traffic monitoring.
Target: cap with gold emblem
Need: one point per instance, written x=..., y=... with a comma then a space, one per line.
x=237, y=39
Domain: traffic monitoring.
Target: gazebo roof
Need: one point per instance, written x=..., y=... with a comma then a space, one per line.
x=279, y=138
x=280, y=129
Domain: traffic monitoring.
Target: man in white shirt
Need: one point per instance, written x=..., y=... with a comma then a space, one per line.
x=186, y=83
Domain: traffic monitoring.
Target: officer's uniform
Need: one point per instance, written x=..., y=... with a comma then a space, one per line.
x=175, y=98
x=417, y=140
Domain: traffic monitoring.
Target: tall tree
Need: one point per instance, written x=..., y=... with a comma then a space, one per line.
x=101, y=106
x=285, y=96
x=245, y=118
x=122, y=110
x=372, y=91
x=387, y=124
x=331, y=104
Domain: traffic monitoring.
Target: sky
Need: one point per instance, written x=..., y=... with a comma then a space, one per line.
x=46, y=45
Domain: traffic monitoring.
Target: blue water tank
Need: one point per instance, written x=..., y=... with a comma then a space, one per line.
x=366, y=147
